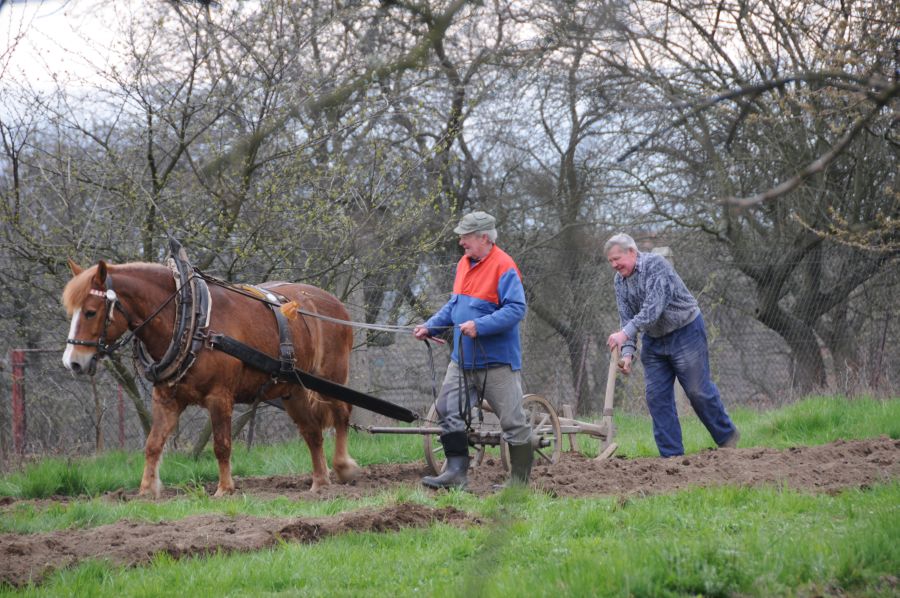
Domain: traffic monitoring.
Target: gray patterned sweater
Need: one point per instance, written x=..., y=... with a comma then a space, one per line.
x=653, y=300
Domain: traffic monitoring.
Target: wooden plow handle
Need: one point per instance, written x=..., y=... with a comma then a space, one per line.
x=608, y=447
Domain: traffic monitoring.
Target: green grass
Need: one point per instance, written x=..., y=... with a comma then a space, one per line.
x=813, y=421
x=703, y=542
x=723, y=541
x=826, y=419
x=113, y=470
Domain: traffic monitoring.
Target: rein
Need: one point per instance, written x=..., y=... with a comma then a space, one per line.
x=465, y=402
x=190, y=335
x=240, y=291
x=380, y=327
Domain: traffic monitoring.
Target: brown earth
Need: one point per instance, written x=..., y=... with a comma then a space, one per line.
x=828, y=468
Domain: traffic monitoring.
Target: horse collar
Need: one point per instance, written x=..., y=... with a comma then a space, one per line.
x=192, y=313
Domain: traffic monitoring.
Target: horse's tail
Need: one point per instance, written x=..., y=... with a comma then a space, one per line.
x=329, y=412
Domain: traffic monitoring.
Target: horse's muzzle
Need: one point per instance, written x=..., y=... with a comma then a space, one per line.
x=77, y=367
x=90, y=370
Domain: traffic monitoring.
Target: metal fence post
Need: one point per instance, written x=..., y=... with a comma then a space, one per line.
x=17, y=362
x=121, y=405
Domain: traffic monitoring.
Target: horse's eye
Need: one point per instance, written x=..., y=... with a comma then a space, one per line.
x=90, y=314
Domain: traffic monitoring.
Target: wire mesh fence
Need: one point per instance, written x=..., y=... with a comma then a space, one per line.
x=571, y=312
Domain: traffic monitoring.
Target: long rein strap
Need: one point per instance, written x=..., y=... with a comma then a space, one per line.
x=285, y=368
x=149, y=318
x=237, y=289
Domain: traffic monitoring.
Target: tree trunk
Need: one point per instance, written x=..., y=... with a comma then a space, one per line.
x=124, y=378
x=808, y=367
x=844, y=348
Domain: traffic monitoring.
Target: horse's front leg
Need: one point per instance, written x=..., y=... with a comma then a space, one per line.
x=303, y=410
x=166, y=411
x=315, y=442
x=220, y=406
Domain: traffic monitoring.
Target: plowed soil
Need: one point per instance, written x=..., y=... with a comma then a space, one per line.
x=827, y=469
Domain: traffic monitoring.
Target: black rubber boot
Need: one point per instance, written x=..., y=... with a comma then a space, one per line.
x=455, y=474
x=521, y=456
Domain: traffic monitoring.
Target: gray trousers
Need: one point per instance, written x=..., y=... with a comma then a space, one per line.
x=502, y=391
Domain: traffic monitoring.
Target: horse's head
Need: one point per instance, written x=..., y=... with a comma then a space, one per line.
x=91, y=304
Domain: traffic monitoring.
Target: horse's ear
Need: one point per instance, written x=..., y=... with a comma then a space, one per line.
x=75, y=268
x=100, y=278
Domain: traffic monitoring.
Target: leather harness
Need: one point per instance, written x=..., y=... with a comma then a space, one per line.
x=193, y=306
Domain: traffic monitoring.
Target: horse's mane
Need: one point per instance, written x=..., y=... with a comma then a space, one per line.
x=77, y=289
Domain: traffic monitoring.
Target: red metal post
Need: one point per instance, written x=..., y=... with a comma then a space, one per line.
x=17, y=359
x=121, y=398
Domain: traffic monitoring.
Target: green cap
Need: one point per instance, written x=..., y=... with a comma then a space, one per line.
x=474, y=222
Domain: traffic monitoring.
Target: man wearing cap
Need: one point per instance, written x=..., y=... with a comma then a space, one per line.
x=484, y=310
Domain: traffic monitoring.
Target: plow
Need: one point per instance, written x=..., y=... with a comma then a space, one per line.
x=548, y=429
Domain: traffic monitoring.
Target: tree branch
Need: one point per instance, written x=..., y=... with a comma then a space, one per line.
x=819, y=164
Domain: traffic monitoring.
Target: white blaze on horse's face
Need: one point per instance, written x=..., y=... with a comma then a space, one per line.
x=68, y=359
x=81, y=359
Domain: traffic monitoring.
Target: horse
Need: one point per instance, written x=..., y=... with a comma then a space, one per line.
x=107, y=302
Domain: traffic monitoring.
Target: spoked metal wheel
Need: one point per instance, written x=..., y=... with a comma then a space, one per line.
x=434, y=450
x=545, y=430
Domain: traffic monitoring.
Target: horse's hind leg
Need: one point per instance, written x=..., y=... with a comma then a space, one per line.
x=345, y=467
x=166, y=411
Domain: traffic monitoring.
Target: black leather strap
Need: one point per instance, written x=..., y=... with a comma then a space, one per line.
x=260, y=361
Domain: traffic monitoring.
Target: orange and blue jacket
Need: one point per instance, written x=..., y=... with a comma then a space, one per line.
x=490, y=293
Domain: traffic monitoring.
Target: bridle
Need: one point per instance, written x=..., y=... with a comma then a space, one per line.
x=112, y=303
x=190, y=330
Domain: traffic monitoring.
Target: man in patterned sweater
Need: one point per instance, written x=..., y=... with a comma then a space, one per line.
x=653, y=299
x=484, y=310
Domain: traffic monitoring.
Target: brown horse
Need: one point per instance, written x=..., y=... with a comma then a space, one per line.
x=215, y=380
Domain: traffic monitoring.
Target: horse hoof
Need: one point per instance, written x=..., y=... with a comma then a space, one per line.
x=347, y=473
x=154, y=492
x=318, y=485
x=220, y=492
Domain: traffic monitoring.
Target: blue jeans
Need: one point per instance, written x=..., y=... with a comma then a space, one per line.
x=682, y=354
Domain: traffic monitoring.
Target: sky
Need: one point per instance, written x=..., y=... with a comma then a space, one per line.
x=68, y=38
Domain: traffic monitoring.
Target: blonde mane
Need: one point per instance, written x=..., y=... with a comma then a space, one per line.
x=77, y=289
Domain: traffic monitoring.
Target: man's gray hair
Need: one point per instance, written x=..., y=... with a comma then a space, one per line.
x=622, y=240
x=490, y=233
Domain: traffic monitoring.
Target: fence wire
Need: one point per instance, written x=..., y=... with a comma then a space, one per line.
x=571, y=312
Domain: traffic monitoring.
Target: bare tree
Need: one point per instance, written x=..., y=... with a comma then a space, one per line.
x=803, y=132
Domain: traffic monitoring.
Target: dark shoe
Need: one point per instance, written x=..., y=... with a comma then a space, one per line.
x=456, y=469
x=732, y=440
x=521, y=457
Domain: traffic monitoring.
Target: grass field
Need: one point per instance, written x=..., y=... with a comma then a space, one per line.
x=724, y=541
